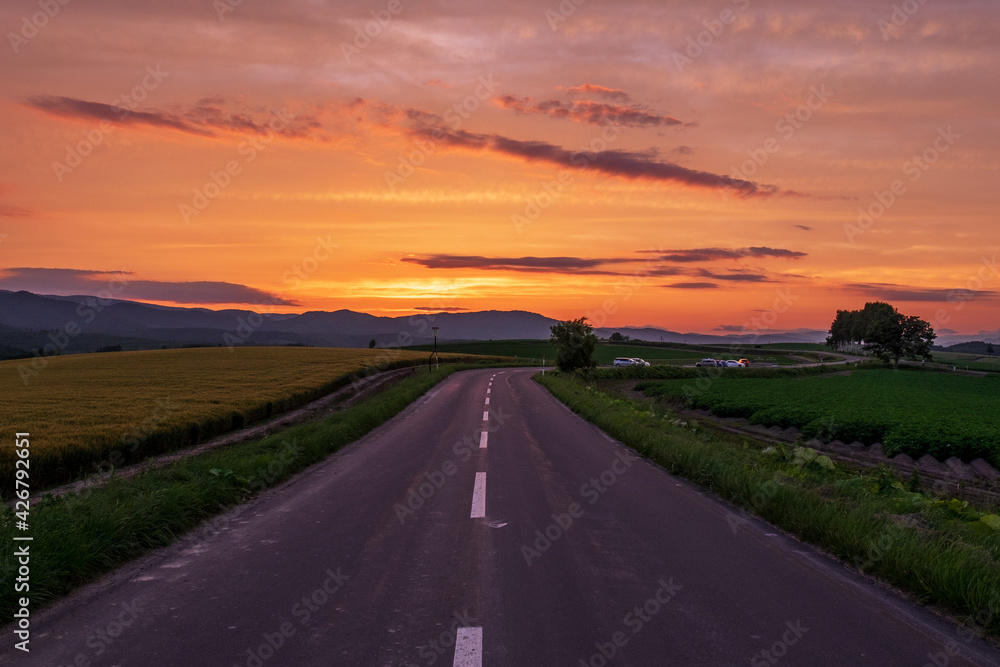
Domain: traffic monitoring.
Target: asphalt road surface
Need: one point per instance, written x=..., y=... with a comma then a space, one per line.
x=488, y=525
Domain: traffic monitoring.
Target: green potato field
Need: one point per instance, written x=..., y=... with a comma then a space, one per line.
x=910, y=411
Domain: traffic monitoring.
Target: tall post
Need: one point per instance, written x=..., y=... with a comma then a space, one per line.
x=434, y=355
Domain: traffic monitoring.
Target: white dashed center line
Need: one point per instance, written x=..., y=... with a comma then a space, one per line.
x=469, y=641
x=479, y=497
x=469, y=648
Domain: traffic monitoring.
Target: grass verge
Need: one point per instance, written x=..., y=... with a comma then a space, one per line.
x=78, y=537
x=942, y=552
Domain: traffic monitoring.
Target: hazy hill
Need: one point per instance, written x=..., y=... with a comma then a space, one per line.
x=29, y=321
x=970, y=347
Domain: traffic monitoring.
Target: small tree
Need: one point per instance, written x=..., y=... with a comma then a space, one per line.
x=575, y=344
x=616, y=338
x=371, y=344
x=989, y=349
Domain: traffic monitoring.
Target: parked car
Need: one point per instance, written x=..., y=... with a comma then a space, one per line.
x=732, y=363
x=624, y=361
x=706, y=362
x=640, y=362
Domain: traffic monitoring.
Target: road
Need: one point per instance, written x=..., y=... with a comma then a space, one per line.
x=536, y=540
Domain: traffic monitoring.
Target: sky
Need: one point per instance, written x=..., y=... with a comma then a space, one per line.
x=698, y=166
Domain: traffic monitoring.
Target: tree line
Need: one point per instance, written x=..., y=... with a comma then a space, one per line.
x=878, y=329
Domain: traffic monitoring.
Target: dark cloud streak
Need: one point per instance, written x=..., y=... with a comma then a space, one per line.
x=712, y=254
x=694, y=285
x=67, y=282
x=576, y=265
x=205, y=118
x=68, y=107
x=625, y=164
x=581, y=266
x=7, y=211
x=739, y=276
x=891, y=291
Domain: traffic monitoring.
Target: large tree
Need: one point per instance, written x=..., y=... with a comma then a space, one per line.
x=575, y=344
x=883, y=332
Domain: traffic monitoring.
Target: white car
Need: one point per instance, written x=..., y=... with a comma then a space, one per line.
x=732, y=363
x=707, y=362
x=624, y=361
x=639, y=362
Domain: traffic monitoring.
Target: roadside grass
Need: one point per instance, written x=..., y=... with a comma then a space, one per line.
x=942, y=552
x=79, y=536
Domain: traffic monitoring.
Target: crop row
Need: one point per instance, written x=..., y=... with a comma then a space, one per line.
x=912, y=412
x=89, y=412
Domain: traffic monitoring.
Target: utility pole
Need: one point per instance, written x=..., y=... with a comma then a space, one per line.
x=434, y=357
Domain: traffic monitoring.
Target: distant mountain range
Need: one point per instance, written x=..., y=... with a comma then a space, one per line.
x=979, y=347
x=84, y=324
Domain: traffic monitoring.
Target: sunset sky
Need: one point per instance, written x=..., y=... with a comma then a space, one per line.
x=688, y=165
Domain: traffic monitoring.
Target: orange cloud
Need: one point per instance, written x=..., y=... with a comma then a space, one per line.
x=593, y=88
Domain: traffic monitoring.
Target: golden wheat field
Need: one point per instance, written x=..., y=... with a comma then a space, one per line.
x=82, y=410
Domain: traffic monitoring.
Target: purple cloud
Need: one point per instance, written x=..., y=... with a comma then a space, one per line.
x=67, y=282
